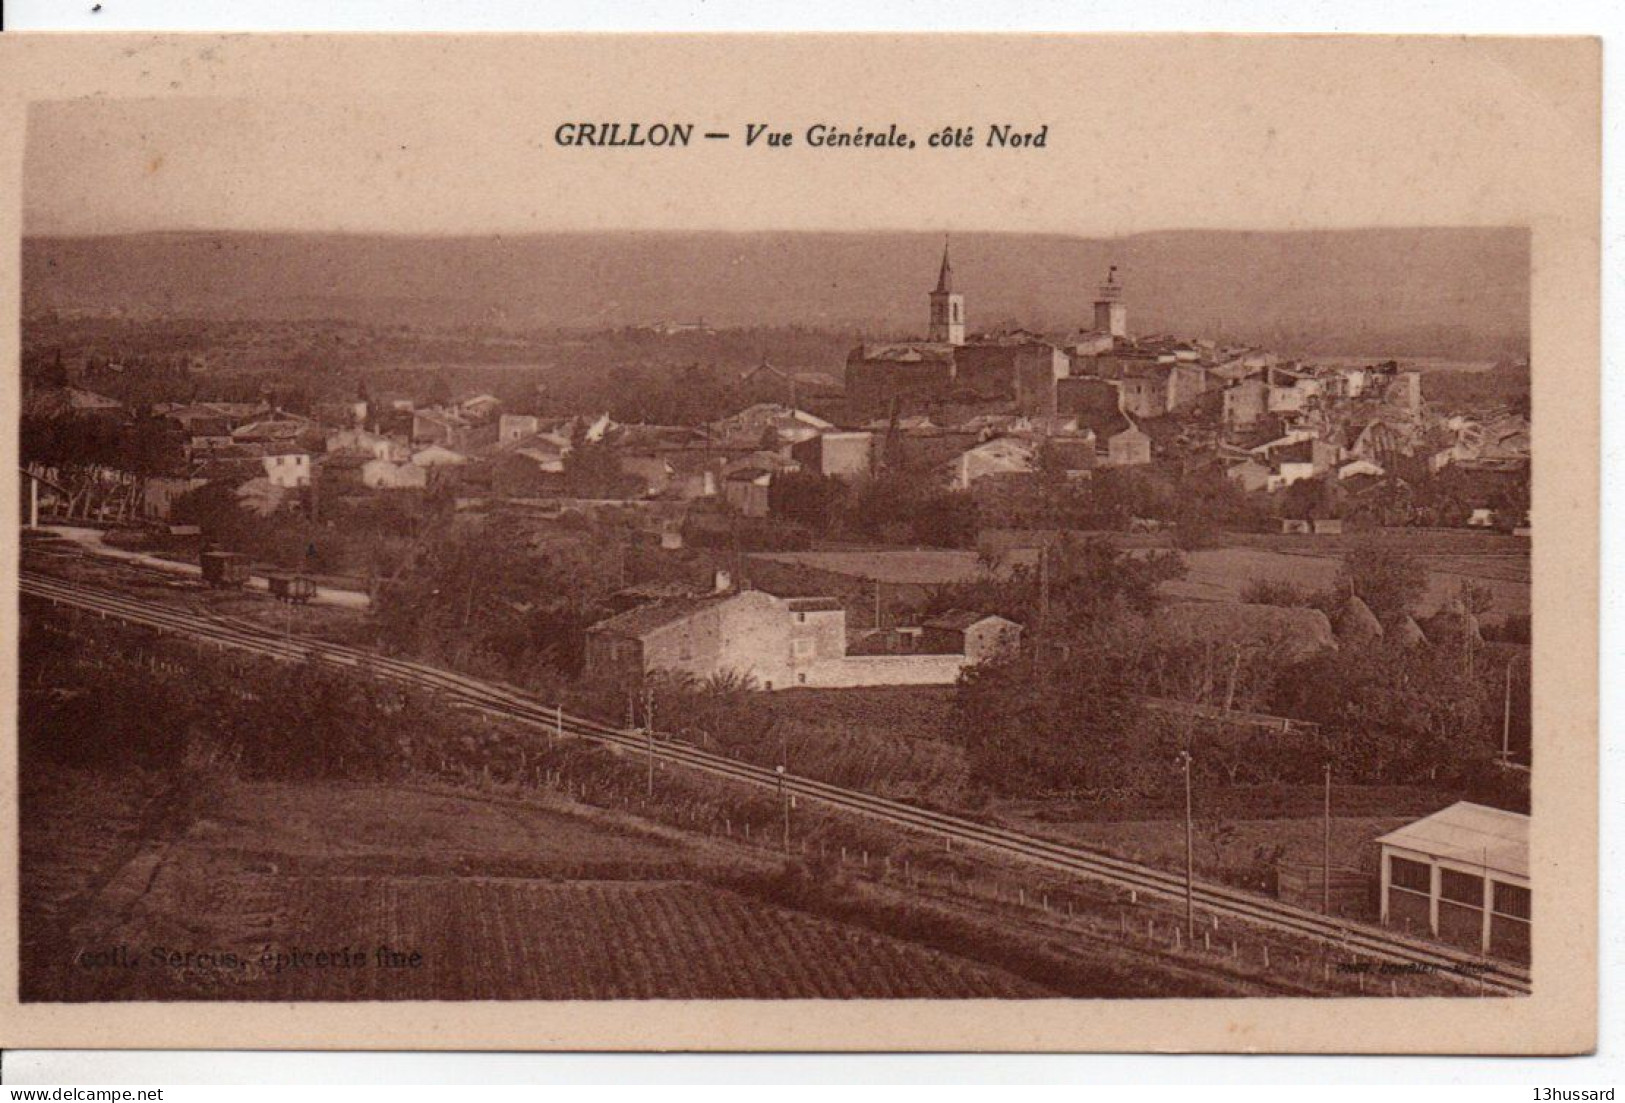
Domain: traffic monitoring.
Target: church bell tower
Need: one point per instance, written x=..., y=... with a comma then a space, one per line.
x=1111, y=312
x=947, y=308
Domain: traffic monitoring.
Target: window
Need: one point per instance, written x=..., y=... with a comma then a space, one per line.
x=1511, y=900
x=1461, y=888
x=803, y=649
x=1406, y=874
x=801, y=618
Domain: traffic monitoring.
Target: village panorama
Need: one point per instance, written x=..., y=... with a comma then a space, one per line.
x=370, y=653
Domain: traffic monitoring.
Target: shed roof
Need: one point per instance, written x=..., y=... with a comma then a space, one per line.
x=1470, y=833
x=958, y=620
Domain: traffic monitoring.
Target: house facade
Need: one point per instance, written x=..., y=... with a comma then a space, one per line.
x=779, y=643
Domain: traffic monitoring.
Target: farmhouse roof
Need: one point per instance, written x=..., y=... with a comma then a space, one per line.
x=910, y=353
x=814, y=604
x=57, y=401
x=641, y=621
x=1472, y=834
x=345, y=459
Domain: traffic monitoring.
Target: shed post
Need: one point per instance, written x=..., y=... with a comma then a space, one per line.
x=33, y=503
x=1484, y=939
x=1435, y=887
x=1383, y=871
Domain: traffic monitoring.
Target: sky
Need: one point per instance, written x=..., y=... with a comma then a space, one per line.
x=1144, y=134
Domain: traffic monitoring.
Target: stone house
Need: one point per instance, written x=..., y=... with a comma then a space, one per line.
x=1245, y=403
x=774, y=641
x=977, y=636
x=1130, y=448
x=843, y=455
x=779, y=643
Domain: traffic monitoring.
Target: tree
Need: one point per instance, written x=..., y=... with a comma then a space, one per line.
x=1054, y=719
x=479, y=597
x=1397, y=713
x=901, y=505
x=1088, y=578
x=592, y=470
x=806, y=498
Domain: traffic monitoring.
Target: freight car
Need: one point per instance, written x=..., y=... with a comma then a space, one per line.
x=224, y=570
x=292, y=588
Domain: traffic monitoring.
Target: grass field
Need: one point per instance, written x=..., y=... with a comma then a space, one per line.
x=1237, y=829
x=1498, y=562
x=1221, y=574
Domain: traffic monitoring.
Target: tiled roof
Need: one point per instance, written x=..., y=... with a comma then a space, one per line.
x=915, y=352
x=644, y=619
x=814, y=604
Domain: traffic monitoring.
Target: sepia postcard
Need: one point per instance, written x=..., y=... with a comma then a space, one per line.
x=800, y=542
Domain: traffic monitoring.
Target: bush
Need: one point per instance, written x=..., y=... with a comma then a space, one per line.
x=1270, y=591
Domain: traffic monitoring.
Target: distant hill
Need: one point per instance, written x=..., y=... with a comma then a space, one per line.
x=1442, y=292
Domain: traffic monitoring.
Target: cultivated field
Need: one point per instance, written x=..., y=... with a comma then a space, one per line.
x=500, y=900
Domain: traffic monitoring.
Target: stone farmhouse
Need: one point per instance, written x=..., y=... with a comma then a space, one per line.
x=779, y=643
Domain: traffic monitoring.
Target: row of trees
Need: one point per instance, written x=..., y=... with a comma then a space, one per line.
x=1067, y=714
x=128, y=699
x=896, y=507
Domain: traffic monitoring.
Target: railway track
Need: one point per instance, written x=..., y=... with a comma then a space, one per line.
x=1371, y=942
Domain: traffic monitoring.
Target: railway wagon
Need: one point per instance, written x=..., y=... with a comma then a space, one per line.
x=292, y=588
x=224, y=570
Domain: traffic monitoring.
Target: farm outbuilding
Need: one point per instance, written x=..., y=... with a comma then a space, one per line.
x=977, y=636
x=1462, y=876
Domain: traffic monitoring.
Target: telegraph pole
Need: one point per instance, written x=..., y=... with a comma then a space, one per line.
x=649, y=733
x=1326, y=848
x=1506, y=720
x=1190, y=854
x=1043, y=586
x=784, y=804
x=784, y=792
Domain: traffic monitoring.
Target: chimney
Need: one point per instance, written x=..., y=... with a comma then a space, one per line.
x=723, y=582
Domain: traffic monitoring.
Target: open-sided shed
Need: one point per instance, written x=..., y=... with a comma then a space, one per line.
x=1461, y=875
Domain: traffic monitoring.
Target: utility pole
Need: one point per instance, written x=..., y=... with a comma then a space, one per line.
x=649, y=733
x=784, y=792
x=1190, y=854
x=1043, y=587
x=784, y=805
x=1326, y=848
x=1506, y=720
